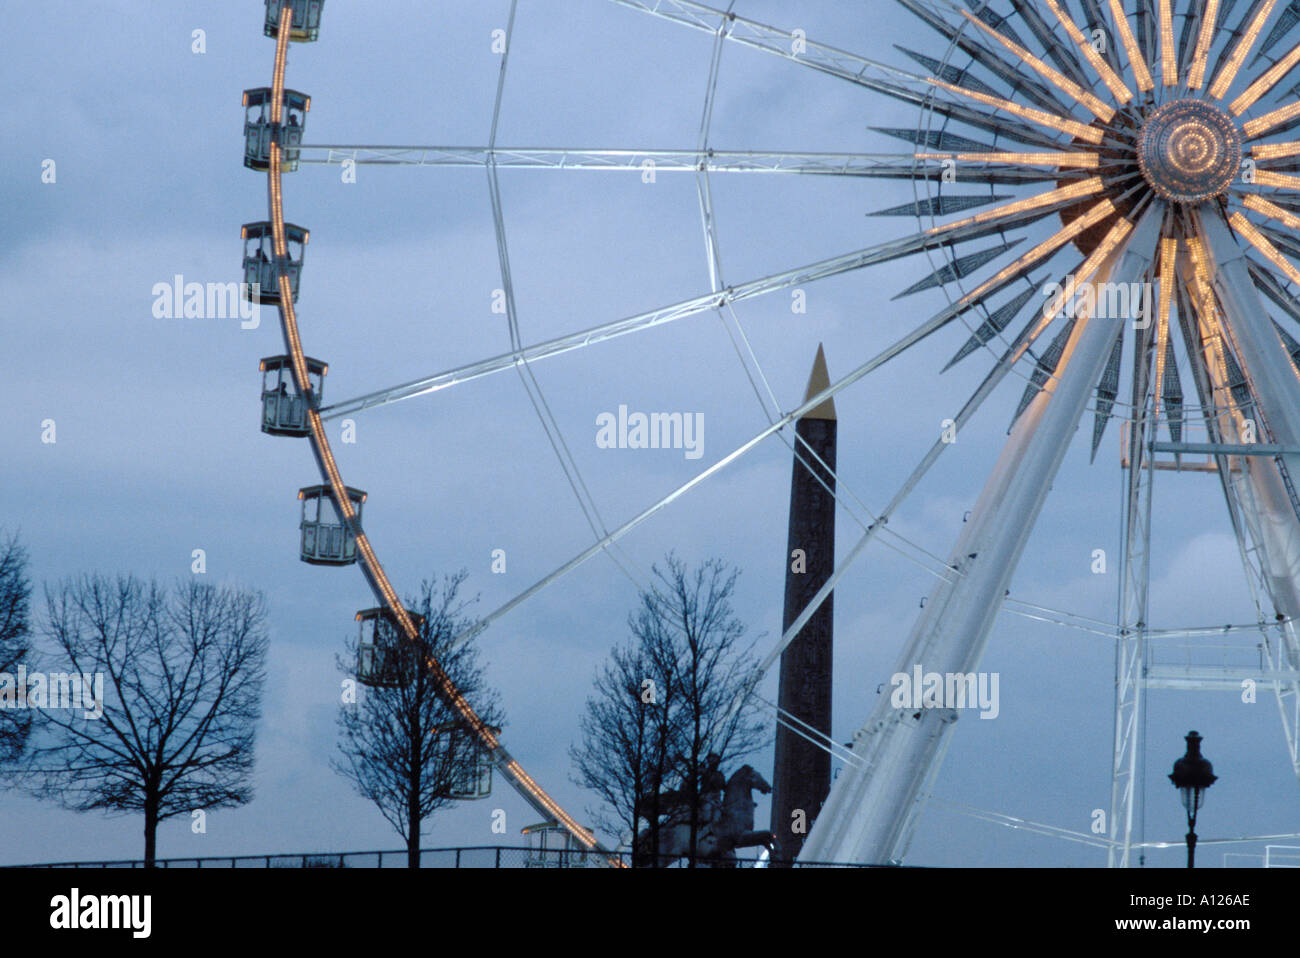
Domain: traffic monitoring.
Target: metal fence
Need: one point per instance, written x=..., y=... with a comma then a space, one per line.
x=480, y=856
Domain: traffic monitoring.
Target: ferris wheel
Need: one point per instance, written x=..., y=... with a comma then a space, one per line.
x=1155, y=136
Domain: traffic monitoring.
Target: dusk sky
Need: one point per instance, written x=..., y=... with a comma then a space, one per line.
x=159, y=452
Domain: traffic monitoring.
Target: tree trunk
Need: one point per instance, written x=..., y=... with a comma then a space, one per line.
x=656, y=808
x=413, y=841
x=413, y=829
x=694, y=794
x=694, y=767
x=638, y=785
x=150, y=831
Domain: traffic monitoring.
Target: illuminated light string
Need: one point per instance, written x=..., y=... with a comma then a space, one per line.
x=1201, y=54
x=1276, y=151
x=1168, y=254
x=1131, y=49
x=1062, y=194
x=1280, y=181
x=343, y=502
x=1274, y=118
x=1265, y=83
x=1228, y=74
x=1118, y=88
x=1062, y=158
x=1168, y=53
x=1050, y=245
x=1196, y=278
x=1203, y=304
x=1168, y=260
x=1082, y=276
x=1255, y=238
x=1258, y=204
x=1050, y=120
x=1067, y=86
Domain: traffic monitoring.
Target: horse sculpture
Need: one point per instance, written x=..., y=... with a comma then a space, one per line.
x=722, y=829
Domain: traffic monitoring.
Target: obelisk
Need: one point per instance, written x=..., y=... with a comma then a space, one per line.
x=802, y=775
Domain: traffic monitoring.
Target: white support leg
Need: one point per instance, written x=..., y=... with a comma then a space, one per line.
x=1269, y=504
x=869, y=813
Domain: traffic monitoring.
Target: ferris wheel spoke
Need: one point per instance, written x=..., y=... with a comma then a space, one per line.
x=1266, y=83
x=884, y=165
x=1096, y=20
x=1274, y=151
x=1259, y=204
x=1112, y=80
x=1072, y=90
x=962, y=76
x=1274, y=122
x=1166, y=367
x=1052, y=121
x=997, y=321
x=1061, y=159
x=1268, y=284
x=957, y=268
x=1191, y=21
x=1146, y=30
x=1245, y=37
x=1107, y=392
x=936, y=139
x=1285, y=24
x=1001, y=125
x=1052, y=46
x=1208, y=11
x=691, y=307
x=1045, y=368
x=938, y=206
x=1168, y=52
x=973, y=46
x=1137, y=60
x=1256, y=238
x=1277, y=181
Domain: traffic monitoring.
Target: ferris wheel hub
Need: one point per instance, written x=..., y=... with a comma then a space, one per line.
x=1190, y=151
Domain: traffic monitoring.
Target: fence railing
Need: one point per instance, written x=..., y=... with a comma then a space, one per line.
x=478, y=856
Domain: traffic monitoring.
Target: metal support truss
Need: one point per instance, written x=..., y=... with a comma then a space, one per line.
x=879, y=165
x=1135, y=578
x=1221, y=323
x=1272, y=512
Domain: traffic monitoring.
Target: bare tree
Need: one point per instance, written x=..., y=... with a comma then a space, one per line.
x=669, y=700
x=403, y=748
x=712, y=670
x=178, y=677
x=627, y=741
x=15, y=594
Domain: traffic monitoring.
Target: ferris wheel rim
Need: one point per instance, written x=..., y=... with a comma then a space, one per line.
x=332, y=476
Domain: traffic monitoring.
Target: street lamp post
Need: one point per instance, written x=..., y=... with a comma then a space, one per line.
x=1192, y=775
